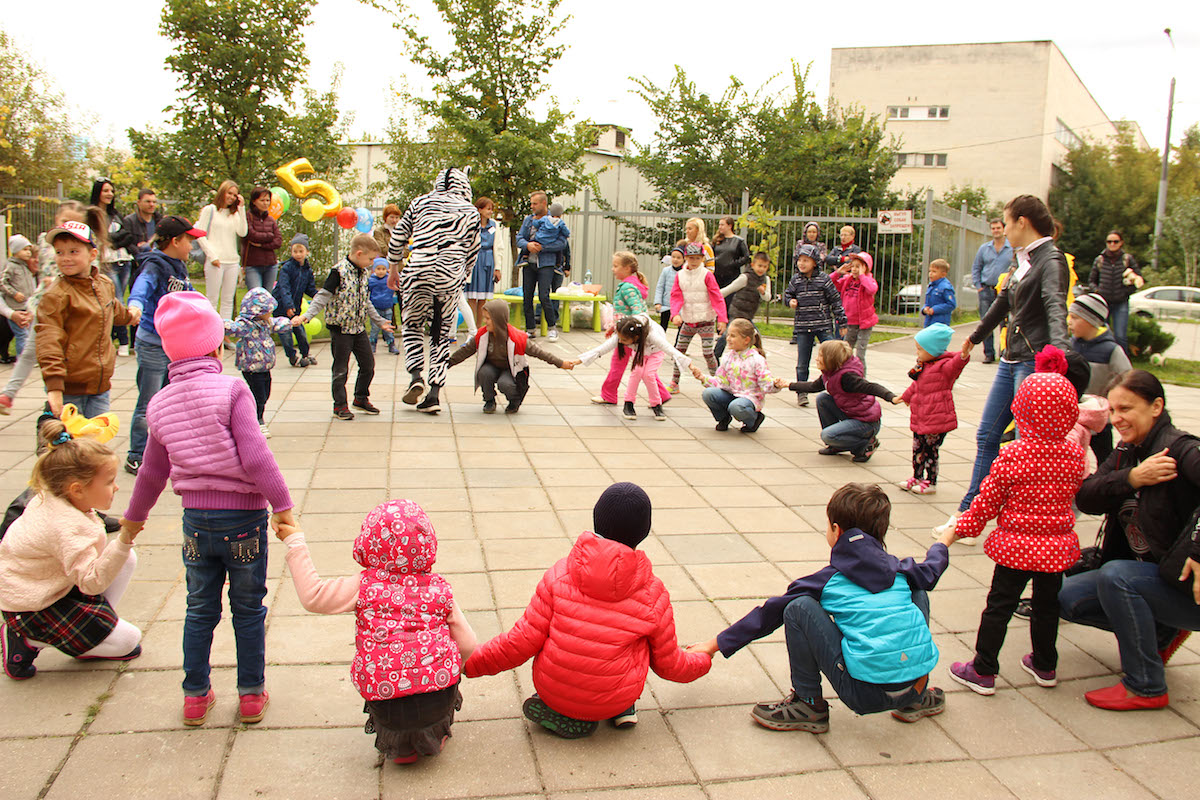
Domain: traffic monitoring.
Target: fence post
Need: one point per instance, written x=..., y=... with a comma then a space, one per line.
x=745, y=211
x=60, y=192
x=960, y=262
x=926, y=243
x=583, y=235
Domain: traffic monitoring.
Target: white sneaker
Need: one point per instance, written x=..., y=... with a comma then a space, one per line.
x=948, y=525
x=908, y=483
x=552, y=336
x=123, y=350
x=923, y=487
x=597, y=399
x=266, y=432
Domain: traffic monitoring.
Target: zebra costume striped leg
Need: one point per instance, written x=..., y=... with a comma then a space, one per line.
x=418, y=312
x=441, y=334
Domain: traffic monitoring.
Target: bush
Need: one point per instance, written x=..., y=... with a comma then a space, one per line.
x=1146, y=337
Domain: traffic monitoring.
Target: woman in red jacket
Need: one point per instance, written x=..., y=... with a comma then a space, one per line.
x=930, y=400
x=262, y=240
x=597, y=622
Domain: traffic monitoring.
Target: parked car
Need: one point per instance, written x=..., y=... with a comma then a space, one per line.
x=909, y=299
x=1162, y=302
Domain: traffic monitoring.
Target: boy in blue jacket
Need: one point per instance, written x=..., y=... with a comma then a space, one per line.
x=296, y=280
x=939, y=297
x=876, y=650
x=384, y=300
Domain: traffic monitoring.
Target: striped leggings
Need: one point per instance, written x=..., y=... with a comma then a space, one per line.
x=708, y=334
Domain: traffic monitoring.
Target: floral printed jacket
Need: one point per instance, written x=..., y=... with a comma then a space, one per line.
x=744, y=374
x=255, y=347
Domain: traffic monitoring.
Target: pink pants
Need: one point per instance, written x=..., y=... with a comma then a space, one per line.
x=612, y=381
x=647, y=373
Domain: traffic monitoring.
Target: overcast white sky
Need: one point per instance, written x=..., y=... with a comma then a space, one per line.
x=107, y=58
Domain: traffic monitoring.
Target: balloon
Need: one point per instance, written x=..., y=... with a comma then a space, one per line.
x=313, y=209
x=281, y=201
x=329, y=199
x=313, y=326
x=275, y=210
x=366, y=220
x=347, y=218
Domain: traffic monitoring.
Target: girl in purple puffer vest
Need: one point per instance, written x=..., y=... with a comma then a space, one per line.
x=848, y=405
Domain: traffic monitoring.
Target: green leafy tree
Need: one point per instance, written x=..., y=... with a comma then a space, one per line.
x=1182, y=223
x=481, y=114
x=979, y=204
x=241, y=110
x=39, y=142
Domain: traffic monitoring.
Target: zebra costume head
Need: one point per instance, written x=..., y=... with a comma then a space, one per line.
x=453, y=180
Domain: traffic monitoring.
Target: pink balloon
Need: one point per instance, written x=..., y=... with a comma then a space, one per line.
x=347, y=218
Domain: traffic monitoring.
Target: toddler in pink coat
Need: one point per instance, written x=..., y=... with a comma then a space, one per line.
x=411, y=638
x=858, y=287
x=930, y=399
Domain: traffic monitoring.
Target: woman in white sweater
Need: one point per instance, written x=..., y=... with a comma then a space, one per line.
x=224, y=222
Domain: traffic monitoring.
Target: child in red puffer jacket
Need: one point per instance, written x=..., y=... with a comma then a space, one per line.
x=597, y=622
x=930, y=400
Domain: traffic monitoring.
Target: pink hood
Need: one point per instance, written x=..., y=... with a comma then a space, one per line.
x=858, y=293
x=641, y=287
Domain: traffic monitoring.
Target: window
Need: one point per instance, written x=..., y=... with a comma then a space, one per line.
x=918, y=112
x=620, y=138
x=1191, y=296
x=922, y=160
x=1065, y=136
x=1168, y=295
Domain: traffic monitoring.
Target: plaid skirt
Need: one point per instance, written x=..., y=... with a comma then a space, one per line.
x=74, y=624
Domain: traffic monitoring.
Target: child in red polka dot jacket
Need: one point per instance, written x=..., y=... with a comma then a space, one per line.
x=1030, y=488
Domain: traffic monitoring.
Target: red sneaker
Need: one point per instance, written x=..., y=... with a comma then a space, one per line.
x=1168, y=651
x=5, y=404
x=253, y=706
x=1118, y=698
x=195, y=709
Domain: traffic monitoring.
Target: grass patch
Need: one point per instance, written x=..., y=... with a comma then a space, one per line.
x=782, y=330
x=1178, y=371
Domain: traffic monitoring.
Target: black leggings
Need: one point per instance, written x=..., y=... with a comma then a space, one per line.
x=925, y=455
x=1007, y=586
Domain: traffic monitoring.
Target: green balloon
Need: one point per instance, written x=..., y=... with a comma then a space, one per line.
x=283, y=197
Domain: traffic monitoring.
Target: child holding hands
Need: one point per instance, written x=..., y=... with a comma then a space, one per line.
x=255, y=355
x=930, y=399
x=629, y=298
x=863, y=621
x=60, y=574
x=407, y=663
x=697, y=307
x=742, y=381
x=647, y=342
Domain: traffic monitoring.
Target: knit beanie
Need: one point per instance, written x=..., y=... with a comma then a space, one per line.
x=16, y=244
x=622, y=514
x=380, y=262
x=935, y=339
x=188, y=325
x=556, y=209
x=299, y=238
x=1091, y=308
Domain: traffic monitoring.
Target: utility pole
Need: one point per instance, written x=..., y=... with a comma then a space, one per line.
x=1160, y=210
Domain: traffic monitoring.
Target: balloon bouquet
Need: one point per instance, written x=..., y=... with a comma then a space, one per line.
x=322, y=201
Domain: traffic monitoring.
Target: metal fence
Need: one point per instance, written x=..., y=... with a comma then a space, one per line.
x=29, y=214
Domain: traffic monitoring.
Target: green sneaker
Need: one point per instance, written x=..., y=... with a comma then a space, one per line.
x=558, y=724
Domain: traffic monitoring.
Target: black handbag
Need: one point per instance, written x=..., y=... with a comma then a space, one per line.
x=1089, y=557
x=1171, y=564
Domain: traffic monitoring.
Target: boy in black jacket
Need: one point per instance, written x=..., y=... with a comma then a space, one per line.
x=818, y=307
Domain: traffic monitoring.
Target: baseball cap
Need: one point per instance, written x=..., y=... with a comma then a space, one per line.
x=693, y=249
x=173, y=225
x=71, y=228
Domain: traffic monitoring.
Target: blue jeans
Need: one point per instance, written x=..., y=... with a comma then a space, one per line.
x=804, y=348
x=289, y=349
x=19, y=335
x=1130, y=599
x=987, y=296
x=556, y=283
x=814, y=645
x=120, y=278
x=1118, y=320
x=997, y=413
x=90, y=405
x=541, y=278
x=724, y=404
x=261, y=277
x=216, y=544
x=839, y=431
x=388, y=338
x=152, y=364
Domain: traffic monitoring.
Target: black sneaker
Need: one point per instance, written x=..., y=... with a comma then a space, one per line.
x=801, y=400
x=828, y=451
x=793, y=714
x=343, y=413
x=628, y=411
x=558, y=724
x=415, y=387
x=489, y=407
x=626, y=719
x=430, y=404
x=365, y=406
x=295, y=360
x=1024, y=608
x=723, y=425
x=18, y=655
x=659, y=416
x=132, y=465
x=866, y=454
x=932, y=703
x=312, y=361
x=756, y=424
x=512, y=408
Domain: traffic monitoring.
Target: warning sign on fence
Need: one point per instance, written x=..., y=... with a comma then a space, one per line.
x=900, y=221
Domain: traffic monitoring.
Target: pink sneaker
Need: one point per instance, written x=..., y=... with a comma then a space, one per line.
x=195, y=709
x=907, y=484
x=5, y=404
x=924, y=487
x=253, y=706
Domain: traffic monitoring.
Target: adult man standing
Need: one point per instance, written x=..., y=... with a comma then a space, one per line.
x=144, y=221
x=539, y=262
x=990, y=262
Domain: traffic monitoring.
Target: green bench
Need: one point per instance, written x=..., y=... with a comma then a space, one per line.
x=565, y=317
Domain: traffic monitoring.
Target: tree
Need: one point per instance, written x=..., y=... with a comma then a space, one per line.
x=38, y=141
x=1182, y=223
x=242, y=109
x=976, y=197
x=481, y=113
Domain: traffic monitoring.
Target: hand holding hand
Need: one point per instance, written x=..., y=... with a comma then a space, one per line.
x=283, y=518
x=284, y=530
x=297, y=321
x=568, y=365
x=720, y=328
x=675, y=320
x=696, y=373
x=136, y=313
x=781, y=383
x=967, y=347
x=949, y=537
x=927, y=311
x=897, y=400
x=1158, y=468
x=709, y=648
x=22, y=318
x=130, y=530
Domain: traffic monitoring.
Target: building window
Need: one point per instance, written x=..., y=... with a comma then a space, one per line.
x=921, y=160
x=918, y=112
x=620, y=138
x=1066, y=137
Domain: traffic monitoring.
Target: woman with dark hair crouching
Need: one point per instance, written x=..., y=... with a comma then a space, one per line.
x=1147, y=590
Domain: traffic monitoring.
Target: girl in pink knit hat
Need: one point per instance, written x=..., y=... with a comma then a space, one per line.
x=411, y=638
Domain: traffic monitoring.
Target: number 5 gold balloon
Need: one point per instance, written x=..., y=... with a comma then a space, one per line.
x=324, y=199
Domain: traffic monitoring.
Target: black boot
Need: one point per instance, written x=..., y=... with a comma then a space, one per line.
x=415, y=387
x=430, y=404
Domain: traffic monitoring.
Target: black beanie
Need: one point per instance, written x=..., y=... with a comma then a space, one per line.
x=622, y=514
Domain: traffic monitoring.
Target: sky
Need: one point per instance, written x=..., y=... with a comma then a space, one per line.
x=1121, y=54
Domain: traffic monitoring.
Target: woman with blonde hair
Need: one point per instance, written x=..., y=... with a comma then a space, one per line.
x=223, y=222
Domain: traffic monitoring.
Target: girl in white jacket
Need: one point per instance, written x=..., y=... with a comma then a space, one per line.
x=649, y=344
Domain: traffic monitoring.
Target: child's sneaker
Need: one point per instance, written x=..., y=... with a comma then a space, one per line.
x=756, y=424
x=1047, y=679
x=801, y=400
x=659, y=416
x=908, y=483
x=965, y=674
x=628, y=411
x=415, y=389
x=312, y=361
x=123, y=351
x=869, y=451
x=130, y=656
x=253, y=706
x=626, y=719
x=5, y=404
x=597, y=399
x=828, y=451
x=512, y=408
x=132, y=464
x=925, y=487
x=673, y=388
x=195, y=709
x=560, y=725
x=723, y=425
x=364, y=405
x=793, y=714
x=393, y=350
x=932, y=703
x=266, y=432
x=489, y=407
x=295, y=360
x=343, y=413
x=18, y=655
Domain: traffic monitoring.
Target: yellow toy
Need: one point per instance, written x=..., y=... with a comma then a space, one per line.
x=102, y=428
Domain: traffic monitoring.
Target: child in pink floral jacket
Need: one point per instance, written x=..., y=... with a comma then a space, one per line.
x=411, y=638
x=742, y=382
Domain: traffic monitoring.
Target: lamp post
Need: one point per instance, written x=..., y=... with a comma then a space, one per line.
x=1160, y=210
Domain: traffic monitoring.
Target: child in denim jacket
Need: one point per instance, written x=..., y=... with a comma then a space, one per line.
x=255, y=355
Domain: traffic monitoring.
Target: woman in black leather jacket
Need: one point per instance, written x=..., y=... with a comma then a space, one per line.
x=1034, y=299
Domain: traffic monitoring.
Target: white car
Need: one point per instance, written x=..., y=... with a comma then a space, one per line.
x=1166, y=301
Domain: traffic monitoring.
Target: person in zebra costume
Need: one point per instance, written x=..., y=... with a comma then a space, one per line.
x=443, y=227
